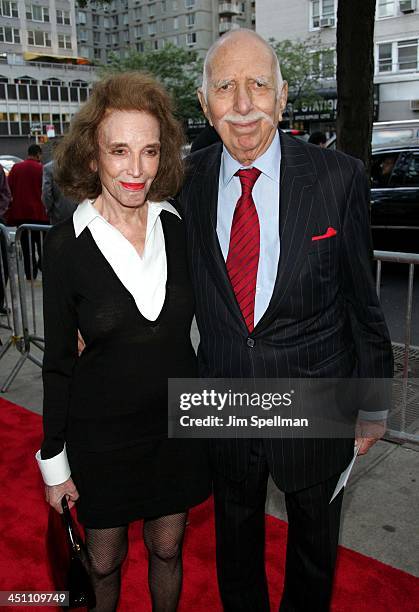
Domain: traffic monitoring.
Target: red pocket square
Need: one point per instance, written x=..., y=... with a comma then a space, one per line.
x=330, y=232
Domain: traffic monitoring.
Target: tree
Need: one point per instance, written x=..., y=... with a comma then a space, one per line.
x=300, y=66
x=355, y=77
x=177, y=69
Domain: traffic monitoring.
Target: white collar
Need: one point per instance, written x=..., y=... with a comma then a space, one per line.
x=268, y=163
x=85, y=213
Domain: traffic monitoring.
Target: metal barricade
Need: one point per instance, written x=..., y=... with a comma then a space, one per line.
x=406, y=388
x=24, y=250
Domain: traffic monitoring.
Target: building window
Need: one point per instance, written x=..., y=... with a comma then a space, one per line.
x=97, y=53
x=191, y=38
x=163, y=6
x=152, y=28
x=114, y=20
x=151, y=10
x=53, y=81
x=96, y=37
x=190, y=19
x=37, y=13
x=156, y=45
x=39, y=38
x=9, y=35
x=328, y=70
x=323, y=64
x=174, y=5
x=125, y=19
x=140, y=47
x=81, y=18
x=83, y=36
x=137, y=13
x=385, y=59
x=95, y=19
x=8, y=9
x=84, y=51
x=163, y=26
x=407, y=52
x=322, y=13
x=106, y=23
x=175, y=23
x=189, y=4
x=385, y=8
x=138, y=31
x=64, y=41
x=63, y=17
x=126, y=35
x=26, y=80
x=398, y=56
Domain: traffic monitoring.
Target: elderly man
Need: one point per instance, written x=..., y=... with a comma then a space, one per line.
x=279, y=246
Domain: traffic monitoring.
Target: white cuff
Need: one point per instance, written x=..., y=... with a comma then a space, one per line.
x=55, y=470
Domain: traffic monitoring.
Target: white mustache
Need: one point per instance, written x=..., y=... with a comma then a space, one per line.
x=255, y=116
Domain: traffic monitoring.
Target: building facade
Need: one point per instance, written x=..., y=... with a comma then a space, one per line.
x=48, y=49
x=41, y=82
x=125, y=25
x=396, y=53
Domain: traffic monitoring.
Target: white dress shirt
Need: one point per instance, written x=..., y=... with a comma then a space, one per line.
x=144, y=276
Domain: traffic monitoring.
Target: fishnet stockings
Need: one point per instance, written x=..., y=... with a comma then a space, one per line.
x=107, y=549
x=163, y=538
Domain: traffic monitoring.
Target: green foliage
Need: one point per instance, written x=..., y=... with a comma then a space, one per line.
x=178, y=69
x=300, y=66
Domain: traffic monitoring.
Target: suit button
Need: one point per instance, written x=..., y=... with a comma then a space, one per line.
x=250, y=342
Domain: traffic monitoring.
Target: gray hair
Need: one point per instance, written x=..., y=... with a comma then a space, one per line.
x=223, y=40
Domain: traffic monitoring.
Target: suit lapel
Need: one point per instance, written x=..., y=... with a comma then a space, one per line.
x=296, y=221
x=206, y=180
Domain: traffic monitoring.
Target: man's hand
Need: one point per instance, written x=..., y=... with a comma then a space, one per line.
x=55, y=493
x=367, y=434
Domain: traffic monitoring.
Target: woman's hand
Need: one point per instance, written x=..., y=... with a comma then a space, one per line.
x=55, y=493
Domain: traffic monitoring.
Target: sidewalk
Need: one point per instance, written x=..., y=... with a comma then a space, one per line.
x=380, y=512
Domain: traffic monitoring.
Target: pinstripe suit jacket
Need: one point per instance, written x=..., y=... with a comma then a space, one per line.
x=323, y=320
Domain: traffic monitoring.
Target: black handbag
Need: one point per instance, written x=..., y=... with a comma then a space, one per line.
x=68, y=559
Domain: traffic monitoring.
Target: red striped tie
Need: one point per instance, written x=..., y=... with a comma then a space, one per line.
x=243, y=253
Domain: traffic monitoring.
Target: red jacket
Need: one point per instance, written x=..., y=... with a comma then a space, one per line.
x=25, y=182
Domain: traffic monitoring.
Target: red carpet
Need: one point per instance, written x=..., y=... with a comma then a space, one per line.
x=362, y=584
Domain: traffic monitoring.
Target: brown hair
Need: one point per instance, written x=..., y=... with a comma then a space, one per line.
x=79, y=147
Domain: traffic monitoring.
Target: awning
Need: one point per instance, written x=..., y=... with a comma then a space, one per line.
x=29, y=56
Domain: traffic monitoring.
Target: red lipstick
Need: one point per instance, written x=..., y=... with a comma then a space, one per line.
x=132, y=186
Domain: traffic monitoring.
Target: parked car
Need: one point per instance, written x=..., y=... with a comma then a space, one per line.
x=395, y=198
x=389, y=133
x=7, y=161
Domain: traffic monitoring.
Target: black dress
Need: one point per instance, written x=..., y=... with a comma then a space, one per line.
x=110, y=404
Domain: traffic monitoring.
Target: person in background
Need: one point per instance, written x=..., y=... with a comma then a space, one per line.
x=25, y=182
x=117, y=271
x=57, y=205
x=318, y=138
x=5, y=198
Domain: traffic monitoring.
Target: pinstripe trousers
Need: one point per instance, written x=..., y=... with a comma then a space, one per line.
x=313, y=531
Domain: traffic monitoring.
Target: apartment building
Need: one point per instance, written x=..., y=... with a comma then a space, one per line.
x=42, y=83
x=396, y=52
x=48, y=48
x=125, y=25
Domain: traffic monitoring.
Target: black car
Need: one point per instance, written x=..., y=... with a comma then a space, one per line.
x=395, y=198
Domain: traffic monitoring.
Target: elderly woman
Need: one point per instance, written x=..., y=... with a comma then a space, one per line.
x=117, y=272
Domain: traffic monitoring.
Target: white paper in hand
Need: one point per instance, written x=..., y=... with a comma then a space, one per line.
x=343, y=478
